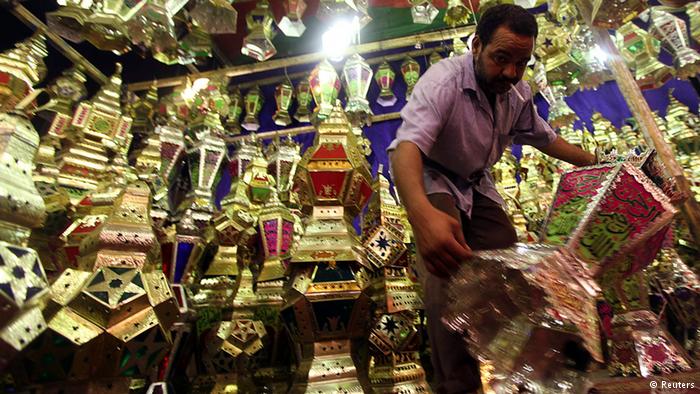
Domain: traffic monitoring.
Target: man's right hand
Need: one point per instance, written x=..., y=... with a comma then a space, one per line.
x=440, y=241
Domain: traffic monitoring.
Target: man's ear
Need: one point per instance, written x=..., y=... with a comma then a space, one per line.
x=476, y=45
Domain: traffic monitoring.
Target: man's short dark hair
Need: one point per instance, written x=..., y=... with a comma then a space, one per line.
x=516, y=18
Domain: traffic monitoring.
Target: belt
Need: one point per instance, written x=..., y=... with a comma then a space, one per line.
x=457, y=180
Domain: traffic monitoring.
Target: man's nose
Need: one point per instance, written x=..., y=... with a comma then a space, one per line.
x=510, y=71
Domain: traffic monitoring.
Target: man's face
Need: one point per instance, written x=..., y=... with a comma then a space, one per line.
x=502, y=62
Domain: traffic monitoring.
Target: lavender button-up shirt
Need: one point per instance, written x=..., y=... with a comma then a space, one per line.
x=451, y=121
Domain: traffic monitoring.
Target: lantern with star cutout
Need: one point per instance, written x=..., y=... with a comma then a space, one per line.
x=116, y=319
x=318, y=313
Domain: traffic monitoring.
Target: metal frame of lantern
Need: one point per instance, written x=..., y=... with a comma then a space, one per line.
x=102, y=126
x=325, y=86
x=284, y=93
x=615, y=210
x=258, y=43
x=326, y=303
x=410, y=70
x=253, y=102
x=291, y=24
x=304, y=98
x=640, y=51
x=385, y=77
x=21, y=68
x=671, y=31
x=93, y=303
x=357, y=76
x=233, y=124
x=215, y=16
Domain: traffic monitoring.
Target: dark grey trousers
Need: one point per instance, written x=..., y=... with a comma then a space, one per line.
x=456, y=371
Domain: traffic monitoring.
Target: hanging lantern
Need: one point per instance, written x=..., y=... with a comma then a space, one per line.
x=640, y=50
x=693, y=11
x=423, y=11
x=410, y=70
x=253, y=102
x=610, y=14
x=434, y=58
x=215, y=16
x=106, y=27
x=68, y=22
x=553, y=48
x=260, y=183
x=458, y=47
x=282, y=159
x=20, y=70
x=235, y=109
x=331, y=10
x=258, y=43
x=385, y=79
x=284, y=93
x=325, y=86
x=276, y=227
x=357, y=76
x=304, y=98
x=560, y=114
x=457, y=13
x=197, y=44
x=670, y=30
x=291, y=24
x=590, y=57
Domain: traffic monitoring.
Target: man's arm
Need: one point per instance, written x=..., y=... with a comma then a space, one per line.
x=438, y=235
x=569, y=153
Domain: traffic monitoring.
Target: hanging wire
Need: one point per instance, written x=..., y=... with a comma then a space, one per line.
x=286, y=75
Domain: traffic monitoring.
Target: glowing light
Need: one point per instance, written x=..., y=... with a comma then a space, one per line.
x=338, y=38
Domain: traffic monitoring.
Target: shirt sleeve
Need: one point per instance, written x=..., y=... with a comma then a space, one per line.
x=530, y=128
x=425, y=113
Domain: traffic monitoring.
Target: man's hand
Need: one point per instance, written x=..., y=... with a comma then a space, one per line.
x=438, y=235
x=440, y=241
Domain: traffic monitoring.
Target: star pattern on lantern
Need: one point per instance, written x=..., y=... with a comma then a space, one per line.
x=114, y=285
x=21, y=274
x=382, y=242
x=141, y=352
x=389, y=324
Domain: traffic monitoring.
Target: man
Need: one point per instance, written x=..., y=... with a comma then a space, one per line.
x=462, y=114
